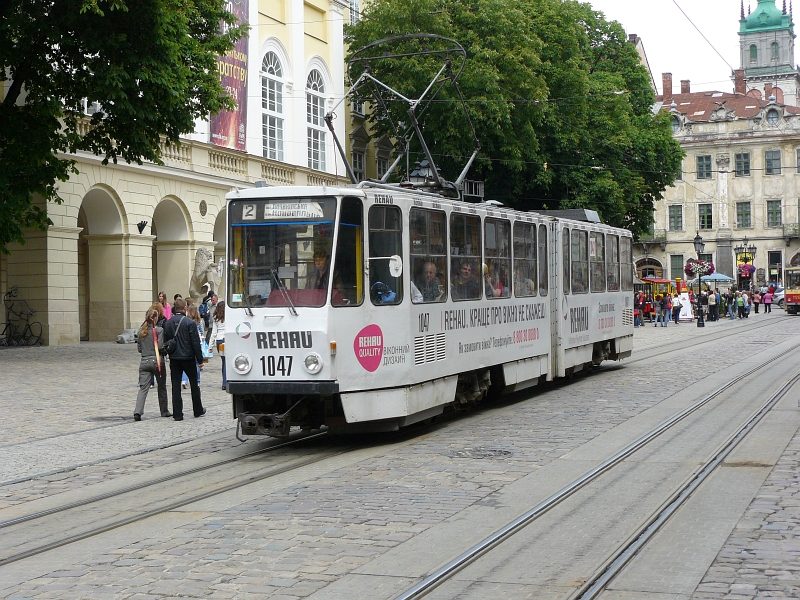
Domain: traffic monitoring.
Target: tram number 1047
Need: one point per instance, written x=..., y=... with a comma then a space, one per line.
x=272, y=365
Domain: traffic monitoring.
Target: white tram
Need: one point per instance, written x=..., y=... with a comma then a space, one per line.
x=373, y=307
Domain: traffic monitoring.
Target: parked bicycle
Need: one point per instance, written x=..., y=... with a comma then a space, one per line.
x=19, y=330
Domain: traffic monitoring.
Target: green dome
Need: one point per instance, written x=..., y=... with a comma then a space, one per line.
x=766, y=17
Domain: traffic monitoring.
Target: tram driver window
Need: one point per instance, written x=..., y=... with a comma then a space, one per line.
x=597, y=260
x=497, y=252
x=428, y=256
x=524, y=259
x=626, y=261
x=580, y=261
x=385, y=241
x=465, y=257
x=348, y=274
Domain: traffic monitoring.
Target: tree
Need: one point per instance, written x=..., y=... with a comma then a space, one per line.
x=150, y=66
x=560, y=102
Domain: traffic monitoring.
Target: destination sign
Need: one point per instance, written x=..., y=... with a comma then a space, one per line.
x=293, y=210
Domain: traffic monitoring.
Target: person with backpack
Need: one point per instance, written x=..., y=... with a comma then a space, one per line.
x=677, y=305
x=182, y=343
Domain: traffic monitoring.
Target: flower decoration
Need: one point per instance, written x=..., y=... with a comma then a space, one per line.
x=746, y=270
x=235, y=265
x=698, y=268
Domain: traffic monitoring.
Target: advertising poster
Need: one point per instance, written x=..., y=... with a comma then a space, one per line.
x=228, y=128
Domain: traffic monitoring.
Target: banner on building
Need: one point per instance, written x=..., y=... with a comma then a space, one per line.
x=229, y=128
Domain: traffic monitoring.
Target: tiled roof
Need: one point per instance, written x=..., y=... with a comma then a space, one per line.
x=699, y=106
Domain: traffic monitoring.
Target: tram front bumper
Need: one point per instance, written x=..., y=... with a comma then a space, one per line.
x=299, y=388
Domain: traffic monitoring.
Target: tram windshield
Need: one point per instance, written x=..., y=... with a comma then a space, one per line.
x=792, y=279
x=280, y=251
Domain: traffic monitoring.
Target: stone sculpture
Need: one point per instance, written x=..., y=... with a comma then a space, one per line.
x=205, y=274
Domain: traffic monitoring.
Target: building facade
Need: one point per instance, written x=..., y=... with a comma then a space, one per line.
x=740, y=183
x=125, y=232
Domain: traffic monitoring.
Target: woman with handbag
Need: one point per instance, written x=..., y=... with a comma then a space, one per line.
x=218, y=336
x=150, y=342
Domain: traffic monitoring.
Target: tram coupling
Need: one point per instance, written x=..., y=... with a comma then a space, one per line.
x=273, y=425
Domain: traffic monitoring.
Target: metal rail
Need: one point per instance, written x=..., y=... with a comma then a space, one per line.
x=139, y=486
x=603, y=576
x=454, y=566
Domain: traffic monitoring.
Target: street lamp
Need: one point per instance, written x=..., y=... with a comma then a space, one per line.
x=699, y=246
x=747, y=252
x=421, y=173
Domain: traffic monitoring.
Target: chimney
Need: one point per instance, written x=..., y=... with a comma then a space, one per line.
x=739, y=84
x=632, y=38
x=767, y=90
x=685, y=87
x=666, y=83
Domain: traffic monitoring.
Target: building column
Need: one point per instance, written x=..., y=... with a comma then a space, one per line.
x=139, y=278
x=45, y=271
x=724, y=258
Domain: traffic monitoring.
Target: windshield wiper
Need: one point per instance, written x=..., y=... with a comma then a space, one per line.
x=284, y=292
x=246, y=294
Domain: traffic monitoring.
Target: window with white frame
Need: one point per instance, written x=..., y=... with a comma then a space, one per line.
x=272, y=106
x=383, y=166
x=358, y=165
x=315, y=119
x=355, y=11
x=356, y=106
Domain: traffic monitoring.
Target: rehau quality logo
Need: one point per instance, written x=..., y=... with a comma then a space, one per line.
x=368, y=347
x=283, y=339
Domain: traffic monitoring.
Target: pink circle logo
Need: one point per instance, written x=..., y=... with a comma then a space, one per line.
x=368, y=347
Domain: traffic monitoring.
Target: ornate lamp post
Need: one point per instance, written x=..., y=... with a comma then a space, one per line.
x=699, y=246
x=747, y=252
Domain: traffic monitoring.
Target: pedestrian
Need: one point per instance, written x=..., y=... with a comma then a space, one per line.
x=712, y=306
x=677, y=305
x=730, y=300
x=160, y=322
x=218, y=337
x=662, y=311
x=740, y=304
x=757, y=301
x=669, y=306
x=211, y=305
x=767, y=300
x=747, y=304
x=150, y=343
x=184, y=359
x=194, y=314
x=165, y=306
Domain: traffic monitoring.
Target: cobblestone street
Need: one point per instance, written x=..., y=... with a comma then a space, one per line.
x=298, y=538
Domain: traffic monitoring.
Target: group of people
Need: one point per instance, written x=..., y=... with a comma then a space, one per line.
x=180, y=330
x=734, y=304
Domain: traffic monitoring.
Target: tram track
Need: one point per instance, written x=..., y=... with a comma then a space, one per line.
x=610, y=568
x=15, y=528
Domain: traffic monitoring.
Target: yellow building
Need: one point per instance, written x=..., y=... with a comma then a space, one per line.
x=125, y=232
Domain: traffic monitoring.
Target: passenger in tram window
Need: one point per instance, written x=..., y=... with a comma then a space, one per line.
x=319, y=279
x=465, y=285
x=429, y=286
x=494, y=287
x=523, y=285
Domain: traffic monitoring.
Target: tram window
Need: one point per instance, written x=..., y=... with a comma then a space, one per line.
x=524, y=259
x=580, y=261
x=626, y=260
x=612, y=262
x=428, y=255
x=565, y=259
x=385, y=241
x=465, y=257
x=597, y=261
x=497, y=252
x=272, y=250
x=542, y=255
x=348, y=274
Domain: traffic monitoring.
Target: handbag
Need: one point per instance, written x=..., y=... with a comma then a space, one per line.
x=172, y=344
x=207, y=353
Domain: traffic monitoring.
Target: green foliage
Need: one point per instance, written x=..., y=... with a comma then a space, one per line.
x=559, y=99
x=151, y=66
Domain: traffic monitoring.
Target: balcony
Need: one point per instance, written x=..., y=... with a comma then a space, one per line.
x=656, y=236
x=791, y=231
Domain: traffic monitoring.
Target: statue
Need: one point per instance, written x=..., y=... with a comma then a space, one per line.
x=206, y=274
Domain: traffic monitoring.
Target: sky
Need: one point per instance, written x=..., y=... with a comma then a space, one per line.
x=674, y=46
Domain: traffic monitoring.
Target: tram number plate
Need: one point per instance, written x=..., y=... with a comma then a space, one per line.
x=274, y=365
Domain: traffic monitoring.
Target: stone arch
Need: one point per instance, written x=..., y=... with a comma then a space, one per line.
x=649, y=267
x=221, y=241
x=102, y=297
x=172, y=257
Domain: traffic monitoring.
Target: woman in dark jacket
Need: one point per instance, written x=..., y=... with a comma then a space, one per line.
x=150, y=342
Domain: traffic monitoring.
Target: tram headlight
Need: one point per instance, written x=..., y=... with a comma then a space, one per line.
x=313, y=363
x=242, y=364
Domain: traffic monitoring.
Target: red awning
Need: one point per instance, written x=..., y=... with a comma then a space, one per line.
x=656, y=280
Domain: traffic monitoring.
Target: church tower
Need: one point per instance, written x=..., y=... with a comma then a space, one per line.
x=766, y=45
